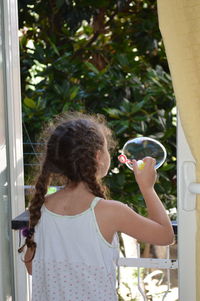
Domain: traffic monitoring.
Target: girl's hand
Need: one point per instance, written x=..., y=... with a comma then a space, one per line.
x=145, y=177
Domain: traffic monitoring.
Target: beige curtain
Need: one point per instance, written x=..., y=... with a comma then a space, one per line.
x=179, y=22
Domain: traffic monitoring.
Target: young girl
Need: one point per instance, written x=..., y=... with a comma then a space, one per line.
x=72, y=245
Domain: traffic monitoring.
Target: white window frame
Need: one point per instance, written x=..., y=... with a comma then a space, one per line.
x=14, y=134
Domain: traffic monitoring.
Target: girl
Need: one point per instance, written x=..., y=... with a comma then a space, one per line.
x=72, y=245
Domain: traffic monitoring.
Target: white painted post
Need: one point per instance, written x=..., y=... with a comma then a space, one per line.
x=186, y=220
x=14, y=133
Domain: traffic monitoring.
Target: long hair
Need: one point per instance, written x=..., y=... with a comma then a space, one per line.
x=71, y=153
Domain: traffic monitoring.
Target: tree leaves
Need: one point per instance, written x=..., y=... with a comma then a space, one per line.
x=102, y=57
x=30, y=103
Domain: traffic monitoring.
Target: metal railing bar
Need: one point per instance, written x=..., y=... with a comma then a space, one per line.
x=168, y=277
x=33, y=187
x=118, y=277
x=26, y=164
x=148, y=263
x=34, y=143
x=141, y=290
x=31, y=153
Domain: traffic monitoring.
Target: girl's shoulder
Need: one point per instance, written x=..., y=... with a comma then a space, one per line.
x=112, y=208
x=108, y=214
x=112, y=204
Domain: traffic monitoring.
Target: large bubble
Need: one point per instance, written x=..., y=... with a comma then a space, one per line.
x=141, y=147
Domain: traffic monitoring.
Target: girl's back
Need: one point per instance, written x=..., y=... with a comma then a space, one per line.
x=73, y=260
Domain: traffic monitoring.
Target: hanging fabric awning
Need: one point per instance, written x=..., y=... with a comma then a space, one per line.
x=179, y=22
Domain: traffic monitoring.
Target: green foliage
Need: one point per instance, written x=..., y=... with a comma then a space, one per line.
x=105, y=57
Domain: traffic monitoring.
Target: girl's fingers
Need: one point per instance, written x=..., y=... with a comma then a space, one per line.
x=135, y=166
x=153, y=161
x=149, y=161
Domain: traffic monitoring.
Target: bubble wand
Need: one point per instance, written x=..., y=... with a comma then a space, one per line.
x=139, y=148
x=123, y=159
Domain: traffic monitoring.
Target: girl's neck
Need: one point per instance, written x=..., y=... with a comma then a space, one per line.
x=81, y=189
x=73, y=195
x=70, y=200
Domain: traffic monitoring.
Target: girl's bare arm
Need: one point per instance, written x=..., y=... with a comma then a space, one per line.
x=156, y=229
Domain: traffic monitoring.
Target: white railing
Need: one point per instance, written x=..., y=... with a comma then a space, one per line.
x=139, y=263
x=149, y=263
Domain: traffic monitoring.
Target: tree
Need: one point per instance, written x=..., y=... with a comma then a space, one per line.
x=105, y=57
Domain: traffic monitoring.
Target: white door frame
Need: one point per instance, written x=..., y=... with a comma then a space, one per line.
x=14, y=135
x=186, y=218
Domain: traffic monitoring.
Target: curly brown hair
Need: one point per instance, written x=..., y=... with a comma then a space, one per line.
x=70, y=152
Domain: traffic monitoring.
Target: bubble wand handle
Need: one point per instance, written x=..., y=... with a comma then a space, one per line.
x=123, y=159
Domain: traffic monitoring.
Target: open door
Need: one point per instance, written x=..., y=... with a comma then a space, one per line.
x=186, y=219
x=179, y=23
x=13, y=276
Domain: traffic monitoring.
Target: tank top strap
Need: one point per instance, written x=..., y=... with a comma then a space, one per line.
x=94, y=202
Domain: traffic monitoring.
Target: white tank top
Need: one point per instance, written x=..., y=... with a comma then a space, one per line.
x=73, y=261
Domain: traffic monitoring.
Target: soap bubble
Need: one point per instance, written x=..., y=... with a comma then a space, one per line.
x=141, y=147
